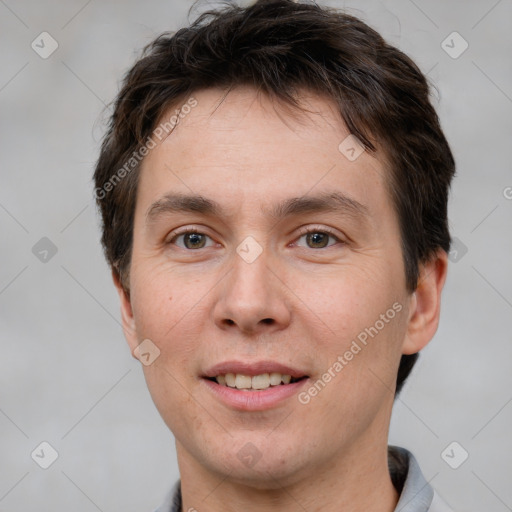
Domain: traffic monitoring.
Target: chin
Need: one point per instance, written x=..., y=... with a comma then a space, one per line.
x=269, y=476
x=272, y=467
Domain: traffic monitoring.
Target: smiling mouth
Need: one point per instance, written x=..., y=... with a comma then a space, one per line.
x=256, y=382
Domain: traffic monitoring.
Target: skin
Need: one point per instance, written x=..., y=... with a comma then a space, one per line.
x=298, y=303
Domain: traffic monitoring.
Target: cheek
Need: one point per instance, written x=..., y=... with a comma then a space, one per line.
x=164, y=309
x=361, y=316
x=159, y=299
x=348, y=300
x=170, y=393
x=164, y=313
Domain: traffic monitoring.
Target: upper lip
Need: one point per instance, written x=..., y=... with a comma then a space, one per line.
x=252, y=368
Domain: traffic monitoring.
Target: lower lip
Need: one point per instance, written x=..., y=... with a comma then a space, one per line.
x=244, y=400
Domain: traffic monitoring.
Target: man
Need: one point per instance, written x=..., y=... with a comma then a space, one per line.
x=273, y=189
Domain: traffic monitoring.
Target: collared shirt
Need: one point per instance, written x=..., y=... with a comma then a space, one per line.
x=416, y=494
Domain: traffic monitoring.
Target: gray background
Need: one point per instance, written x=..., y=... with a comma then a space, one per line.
x=66, y=374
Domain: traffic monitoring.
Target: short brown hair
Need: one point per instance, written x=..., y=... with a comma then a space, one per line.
x=280, y=47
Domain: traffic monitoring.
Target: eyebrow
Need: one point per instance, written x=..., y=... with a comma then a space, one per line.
x=327, y=202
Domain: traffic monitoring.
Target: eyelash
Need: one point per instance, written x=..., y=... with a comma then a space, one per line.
x=302, y=231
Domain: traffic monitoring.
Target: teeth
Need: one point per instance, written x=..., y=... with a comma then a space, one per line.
x=263, y=381
x=275, y=379
x=242, y=381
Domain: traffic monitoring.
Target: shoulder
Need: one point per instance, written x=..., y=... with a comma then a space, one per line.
x=416, y=494
x=439, y=505
x=172, y=501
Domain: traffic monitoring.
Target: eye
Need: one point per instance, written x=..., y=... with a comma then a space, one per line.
x=192, y=239
x=317, y=238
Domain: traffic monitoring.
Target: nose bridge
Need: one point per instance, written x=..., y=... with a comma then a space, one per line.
x=251, y=271
x=251, y=295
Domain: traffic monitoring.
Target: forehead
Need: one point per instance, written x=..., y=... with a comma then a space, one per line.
x=238, y=116
x=247, y=147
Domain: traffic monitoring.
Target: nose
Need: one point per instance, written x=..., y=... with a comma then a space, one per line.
x=252, y=297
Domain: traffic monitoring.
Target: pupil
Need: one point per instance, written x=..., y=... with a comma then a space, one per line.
x=317, y=238
x=194, y=238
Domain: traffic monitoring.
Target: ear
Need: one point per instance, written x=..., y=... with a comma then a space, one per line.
x=128, y=322
x=425, y=303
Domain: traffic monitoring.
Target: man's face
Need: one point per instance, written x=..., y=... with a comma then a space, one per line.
x=252, y=286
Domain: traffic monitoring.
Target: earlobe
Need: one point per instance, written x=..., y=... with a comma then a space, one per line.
x=127, y=318
x=426, y=303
